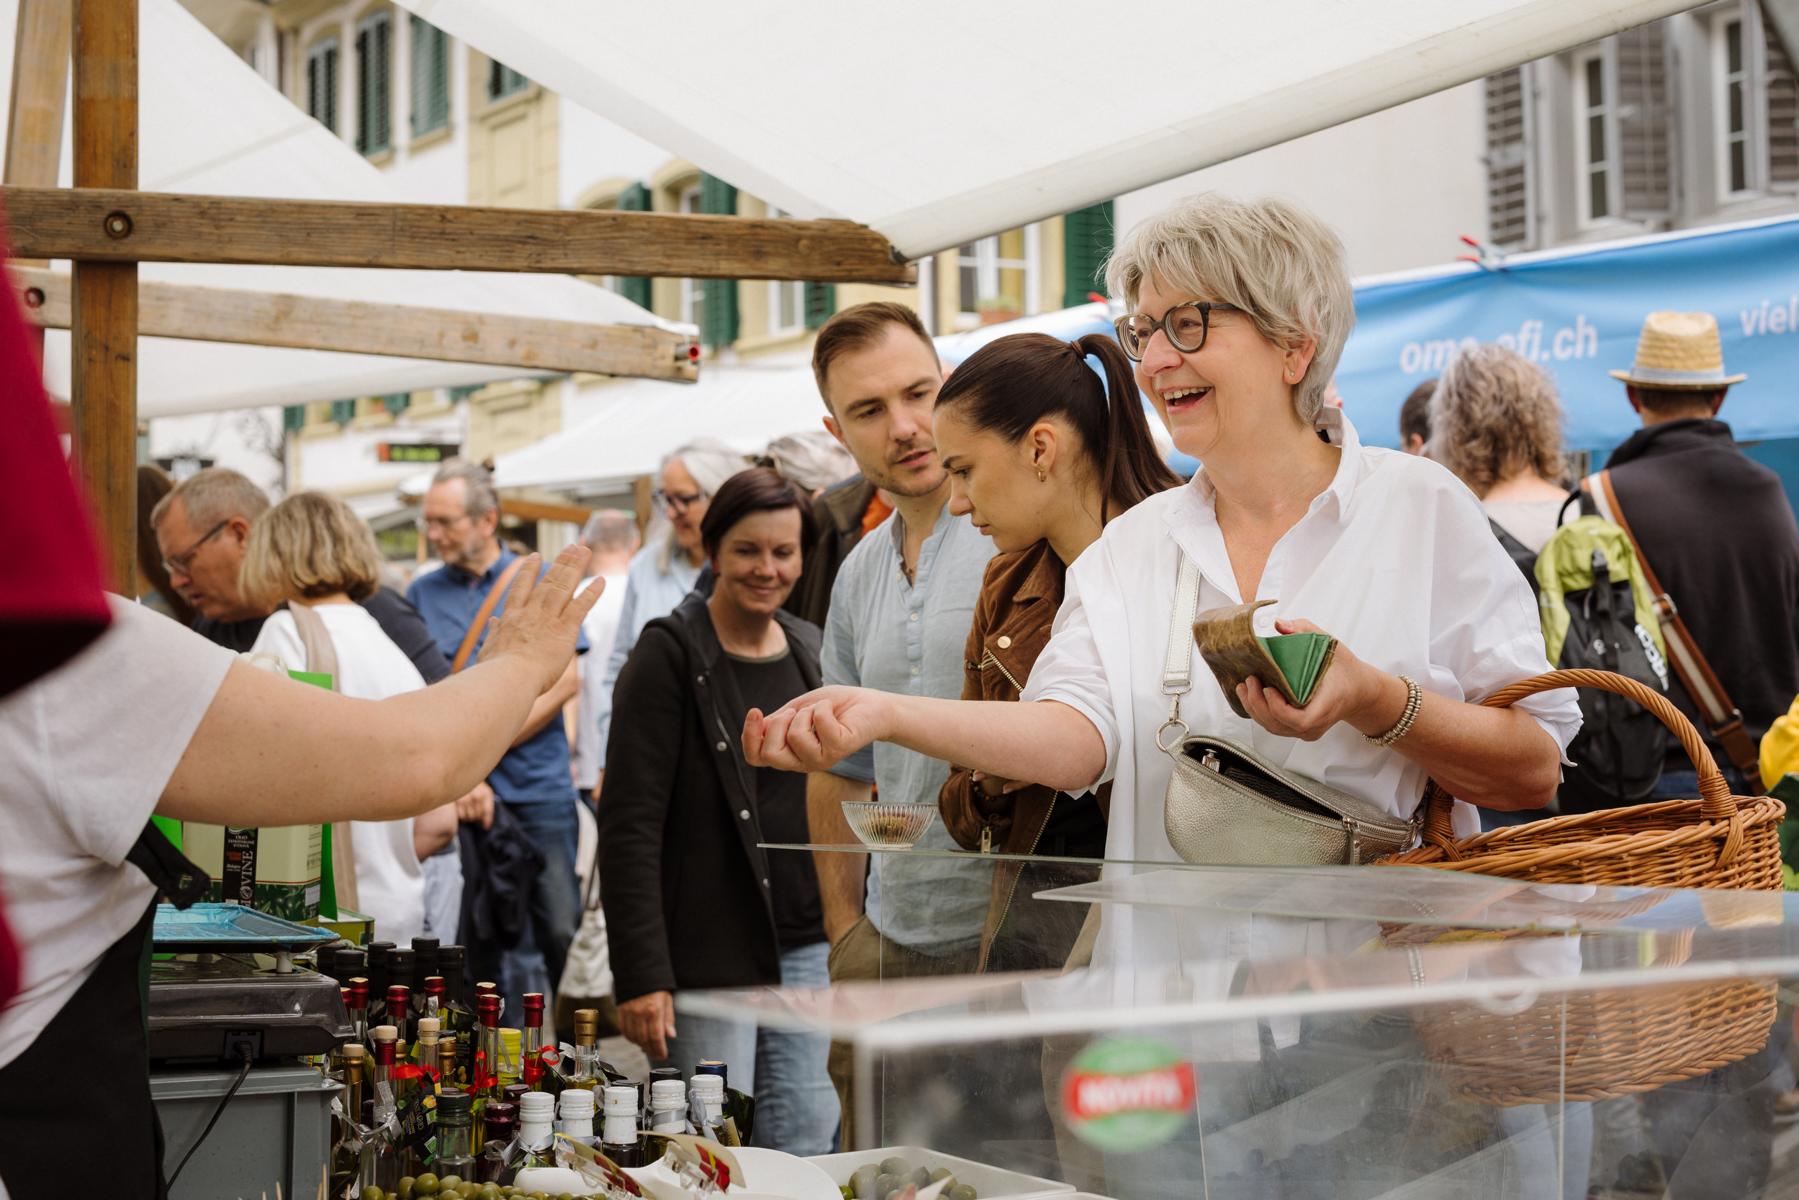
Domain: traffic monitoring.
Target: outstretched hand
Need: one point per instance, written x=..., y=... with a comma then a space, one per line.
x=817, y=730
x=542, y=617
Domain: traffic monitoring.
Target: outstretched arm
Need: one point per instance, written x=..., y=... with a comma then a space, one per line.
x=1042, y=741
x=271, y=751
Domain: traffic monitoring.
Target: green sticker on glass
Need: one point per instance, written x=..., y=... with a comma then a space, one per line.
x=1127, y=1093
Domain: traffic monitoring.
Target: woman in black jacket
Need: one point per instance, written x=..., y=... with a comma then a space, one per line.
x=690, y=899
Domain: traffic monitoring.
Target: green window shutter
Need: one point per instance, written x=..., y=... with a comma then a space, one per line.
x=397, y=402
x=293, y=418
x=321, y=84
x=721, y=317
x=458, y=394
x=430, y=77
x=374, y=96
x=635, y=288
x=1086, y=243
x=821, y=302
x=503, y=81
x=343, y=411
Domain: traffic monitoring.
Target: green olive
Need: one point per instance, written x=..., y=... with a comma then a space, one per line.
x=895, y=1166
x=425, y=1185
x=448, y=1182
x=961, y=1192
x=404, y=1191
x=373, y=1193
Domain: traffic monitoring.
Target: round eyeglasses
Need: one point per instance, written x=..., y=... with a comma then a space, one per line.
x=1185, y=324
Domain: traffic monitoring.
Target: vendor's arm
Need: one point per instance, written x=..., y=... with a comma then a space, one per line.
x=841, y=875
x=271, y=751
x=548, y=706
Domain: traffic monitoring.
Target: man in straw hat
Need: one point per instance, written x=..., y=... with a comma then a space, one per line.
x=1715, y=527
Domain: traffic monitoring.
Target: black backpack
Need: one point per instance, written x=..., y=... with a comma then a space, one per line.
x=1583, y=578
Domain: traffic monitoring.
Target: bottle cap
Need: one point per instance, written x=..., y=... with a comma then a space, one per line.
x=398, y=997
x=385, y=1033
x=587, y=1024
x=516, y=1092
x=576, y=1104
x=620, y=1101
x=499, y=1113
x=351, y=961
x=710, y=1087
x=429, y=1027
x=533, y=1008
x=484, y=988
x=359, y=992
x=711, y=1066
x=667, y=1091
x=353, y=1050
x=454, y=1106
x=487, y=1007
x=537, y=1106
x=434, y=985
x=400, y=963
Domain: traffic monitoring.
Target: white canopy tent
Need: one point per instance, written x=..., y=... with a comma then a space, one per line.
x=939, y=121
x=210, y=124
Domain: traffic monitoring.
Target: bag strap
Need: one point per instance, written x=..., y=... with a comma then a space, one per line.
x=1177, y=666
x=479, y=624
x=315, y=640
x=1722, y=717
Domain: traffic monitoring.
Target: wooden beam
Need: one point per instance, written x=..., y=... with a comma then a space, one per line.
x=209, y=314
x=123, y=226
x=103, y=322
x=40, y=81
x=540, y=510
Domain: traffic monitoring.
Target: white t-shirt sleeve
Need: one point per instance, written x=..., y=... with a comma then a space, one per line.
x=117, y=720
x=1070, y=669
x=281, y=637
x=1485, y=631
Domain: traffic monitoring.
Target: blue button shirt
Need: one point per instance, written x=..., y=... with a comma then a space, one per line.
x=448, y=598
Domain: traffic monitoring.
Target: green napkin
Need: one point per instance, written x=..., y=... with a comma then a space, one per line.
x=1299, y=656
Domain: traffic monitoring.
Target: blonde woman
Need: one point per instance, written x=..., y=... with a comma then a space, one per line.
x=1496, y=422
x=310, y=551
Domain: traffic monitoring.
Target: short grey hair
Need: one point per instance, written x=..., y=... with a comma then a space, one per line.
x=1283, y=266
x=611, y=530
x=813, y=459
x=214, y=495
x=709, y=461
x=479, y=494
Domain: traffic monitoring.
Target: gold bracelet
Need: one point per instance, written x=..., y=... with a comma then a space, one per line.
x=1414, y=700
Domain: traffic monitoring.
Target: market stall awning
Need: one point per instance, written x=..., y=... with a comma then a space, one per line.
x=939, y=121
x=209, y=124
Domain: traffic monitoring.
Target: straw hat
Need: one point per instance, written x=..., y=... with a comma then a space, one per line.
x=1679, y=350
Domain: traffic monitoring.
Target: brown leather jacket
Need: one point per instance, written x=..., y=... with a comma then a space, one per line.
x=1012, y=620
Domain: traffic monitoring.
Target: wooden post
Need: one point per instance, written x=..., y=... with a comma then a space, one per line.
x=103, y=370
x=40, y=80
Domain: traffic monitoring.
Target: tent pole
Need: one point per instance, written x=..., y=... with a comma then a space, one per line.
x=40, y=79
x=103, y=370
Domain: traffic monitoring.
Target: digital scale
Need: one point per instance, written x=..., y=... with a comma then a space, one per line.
x=224, y=980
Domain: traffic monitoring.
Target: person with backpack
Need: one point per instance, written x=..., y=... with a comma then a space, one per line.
x=1497, y=423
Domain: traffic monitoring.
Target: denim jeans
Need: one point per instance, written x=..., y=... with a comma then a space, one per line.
x=1683, y=784
x=796, y=1106
x=555, y=902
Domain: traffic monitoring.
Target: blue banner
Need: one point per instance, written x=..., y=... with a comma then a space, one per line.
x=1577, y=314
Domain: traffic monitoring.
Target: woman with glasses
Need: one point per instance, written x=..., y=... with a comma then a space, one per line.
x=1237, y=313
x=667, y=568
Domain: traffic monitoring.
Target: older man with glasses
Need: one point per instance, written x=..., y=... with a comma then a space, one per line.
x=201, y=527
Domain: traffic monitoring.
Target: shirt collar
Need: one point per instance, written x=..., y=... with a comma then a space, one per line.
x=896, y=528
x=1341, y=433
x=1045, y=579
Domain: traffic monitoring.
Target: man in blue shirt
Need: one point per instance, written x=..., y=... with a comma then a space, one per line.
x=533, y=781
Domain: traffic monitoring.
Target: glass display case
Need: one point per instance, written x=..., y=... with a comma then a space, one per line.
x=1338, y=1032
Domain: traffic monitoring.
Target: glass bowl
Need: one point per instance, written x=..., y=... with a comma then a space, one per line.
x=889, y=824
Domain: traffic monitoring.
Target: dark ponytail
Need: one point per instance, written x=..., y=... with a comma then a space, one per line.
x=1012, y=383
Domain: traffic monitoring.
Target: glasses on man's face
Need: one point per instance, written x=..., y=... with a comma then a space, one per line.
x=178, y=564
x=1185, y=324
x=441, y=523
x=676, y=501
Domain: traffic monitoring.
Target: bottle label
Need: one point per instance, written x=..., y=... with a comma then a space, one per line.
x=1128, y=1094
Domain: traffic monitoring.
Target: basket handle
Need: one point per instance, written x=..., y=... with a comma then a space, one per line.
x=1717, y=804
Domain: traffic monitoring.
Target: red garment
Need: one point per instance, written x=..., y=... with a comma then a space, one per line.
x=52, y=599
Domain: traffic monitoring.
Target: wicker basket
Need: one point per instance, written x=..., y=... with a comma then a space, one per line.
x=1594, y=1045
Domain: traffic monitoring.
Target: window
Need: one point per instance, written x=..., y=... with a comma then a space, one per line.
x=693, y=293
x=503, y=81
x=786, y=299
x=293, y=418
x=1734, y=97
x=635, y=288
x=1086, y=243
x=995, y=278
x=396, y=402
x=374, y=83
x=1508, y=160
x=343, y=411
x=457, y=395
x=1594, y=139
x=321, y=83
x=430, y=78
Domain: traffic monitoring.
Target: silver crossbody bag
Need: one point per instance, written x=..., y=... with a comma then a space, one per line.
x=1227, y=805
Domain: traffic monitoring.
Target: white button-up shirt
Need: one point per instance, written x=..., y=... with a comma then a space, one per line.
x=1395, y=558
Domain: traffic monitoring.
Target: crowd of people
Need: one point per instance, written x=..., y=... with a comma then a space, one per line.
x=959, y=596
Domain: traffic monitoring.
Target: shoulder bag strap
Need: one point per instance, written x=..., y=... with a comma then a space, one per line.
x=481, y=618
x=1723, y=718
x=315, y=640
x=1177, y=667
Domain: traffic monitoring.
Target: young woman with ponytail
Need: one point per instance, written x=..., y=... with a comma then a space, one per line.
x=1044, y=441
